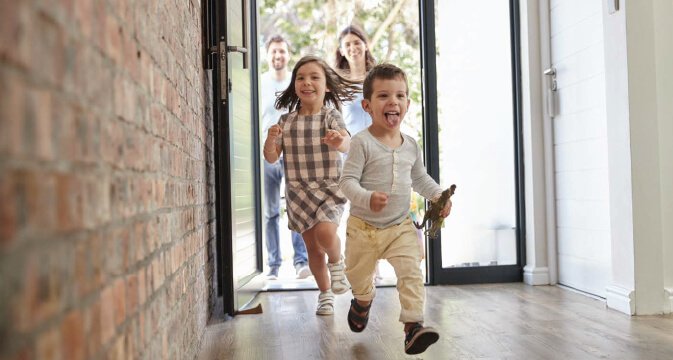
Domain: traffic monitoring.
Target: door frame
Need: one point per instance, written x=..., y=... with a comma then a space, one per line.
x=482, y=274
x=215, y=35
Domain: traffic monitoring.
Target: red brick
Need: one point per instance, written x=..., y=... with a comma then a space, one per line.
x=16, y=32
x=119, y=301
x=82, y=277
x=92, y=326
x=72, y=333
x=66, y=216
x=8, y=211
x=49, y=345
x=40, y=101
x=117, y=351
x=107, y=321
x=142, y=287
x=12, y=111
x=83, y=13
x=131, y=294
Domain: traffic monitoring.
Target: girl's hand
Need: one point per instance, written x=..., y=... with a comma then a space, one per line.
x=333, y=138
x=446, y=210
x=378, y=201
x=274, y=132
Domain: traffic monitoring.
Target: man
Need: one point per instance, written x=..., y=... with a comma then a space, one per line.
x=273, y=81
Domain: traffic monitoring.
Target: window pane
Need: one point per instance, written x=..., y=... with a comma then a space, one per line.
x=476, y=131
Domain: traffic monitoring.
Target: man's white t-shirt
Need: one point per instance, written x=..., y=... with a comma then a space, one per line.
x=268, y=88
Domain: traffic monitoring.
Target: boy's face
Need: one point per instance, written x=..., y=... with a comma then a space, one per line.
x=388, y=103
x=310, y=84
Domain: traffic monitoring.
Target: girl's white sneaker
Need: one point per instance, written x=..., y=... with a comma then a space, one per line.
x=325, y=303
x=339, y=282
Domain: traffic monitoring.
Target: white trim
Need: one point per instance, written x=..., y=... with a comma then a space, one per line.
x=668, y=305
x=621, y=299
x=549, y=164
x=535, y=275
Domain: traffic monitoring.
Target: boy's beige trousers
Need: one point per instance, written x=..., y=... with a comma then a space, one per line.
x=398, y=244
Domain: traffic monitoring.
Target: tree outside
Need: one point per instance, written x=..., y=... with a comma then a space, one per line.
x=312, y=27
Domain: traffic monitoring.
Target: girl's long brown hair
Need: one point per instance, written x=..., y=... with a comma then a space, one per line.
x=340, y=88
x=341, y=62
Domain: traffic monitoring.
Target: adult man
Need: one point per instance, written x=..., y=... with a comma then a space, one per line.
x=273, y=81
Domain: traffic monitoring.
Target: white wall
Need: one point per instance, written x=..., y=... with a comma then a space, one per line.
x=638, y=54
x=621, y=291
x=663, y=32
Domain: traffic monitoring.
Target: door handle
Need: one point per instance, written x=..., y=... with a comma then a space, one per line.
x=239, y=49
x=552, y=73
x=551, y=91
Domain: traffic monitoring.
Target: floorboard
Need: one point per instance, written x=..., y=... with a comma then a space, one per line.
x=497, y=321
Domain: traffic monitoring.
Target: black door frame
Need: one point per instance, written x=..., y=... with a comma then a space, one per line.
x=214, y=36
x=482, y=274
x=215, y=28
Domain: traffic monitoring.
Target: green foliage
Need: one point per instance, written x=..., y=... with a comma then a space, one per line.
x=312, y=27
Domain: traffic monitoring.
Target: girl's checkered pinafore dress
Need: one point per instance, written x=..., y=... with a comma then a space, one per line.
x=312, y=169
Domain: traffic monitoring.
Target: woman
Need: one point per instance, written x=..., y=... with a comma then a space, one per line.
x=353, y=59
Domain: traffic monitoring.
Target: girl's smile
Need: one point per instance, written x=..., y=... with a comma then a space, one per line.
x=310, y=85
x=352, y=47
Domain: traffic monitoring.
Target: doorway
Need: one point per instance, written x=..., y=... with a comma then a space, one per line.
x=464, y=113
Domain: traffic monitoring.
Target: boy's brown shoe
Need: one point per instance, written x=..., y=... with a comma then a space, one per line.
x=419, y=338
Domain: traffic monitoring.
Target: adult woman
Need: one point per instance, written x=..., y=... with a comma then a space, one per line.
x=353, y=59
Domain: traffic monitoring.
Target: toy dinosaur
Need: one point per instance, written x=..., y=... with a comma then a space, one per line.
x=432, y=214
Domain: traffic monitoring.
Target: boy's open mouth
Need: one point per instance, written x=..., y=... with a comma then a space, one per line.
x=392, y=117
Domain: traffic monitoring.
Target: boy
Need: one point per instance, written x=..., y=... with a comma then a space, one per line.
x=382, y=166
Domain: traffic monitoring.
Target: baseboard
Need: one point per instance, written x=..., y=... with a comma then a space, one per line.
x=621, y=299
x=535, y=275
x=669, y=300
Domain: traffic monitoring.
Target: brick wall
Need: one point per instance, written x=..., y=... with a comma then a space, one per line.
x=105, y=177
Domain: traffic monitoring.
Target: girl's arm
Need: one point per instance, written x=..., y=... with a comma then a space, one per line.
x=272, y=150
x=338, y=139
x=346, y=144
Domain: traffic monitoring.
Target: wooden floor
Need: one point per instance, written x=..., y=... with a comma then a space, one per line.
x=502, y=321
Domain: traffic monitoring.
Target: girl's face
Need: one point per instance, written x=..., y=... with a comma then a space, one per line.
x=310, y=84
x=353, y=48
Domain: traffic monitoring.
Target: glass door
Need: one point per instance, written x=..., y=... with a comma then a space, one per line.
x=390, y=32
x=476, y=145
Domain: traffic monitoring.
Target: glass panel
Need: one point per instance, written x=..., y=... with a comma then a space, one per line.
x=313, y=28
x=476, y=132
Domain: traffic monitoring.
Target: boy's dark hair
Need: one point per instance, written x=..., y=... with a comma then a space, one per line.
x=276, y=39
x=382, y=71
x=340, y=88
x=340, y=61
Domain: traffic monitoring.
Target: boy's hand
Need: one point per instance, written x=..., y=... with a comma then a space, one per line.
x=378, y=201
x=446, y=210
x=333, y=138
x=274, y=132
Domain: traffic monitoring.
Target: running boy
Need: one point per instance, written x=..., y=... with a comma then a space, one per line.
x=312, y=136
x=382, y=166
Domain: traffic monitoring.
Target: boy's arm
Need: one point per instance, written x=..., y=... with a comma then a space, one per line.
x=351, y=175
x=423, y=183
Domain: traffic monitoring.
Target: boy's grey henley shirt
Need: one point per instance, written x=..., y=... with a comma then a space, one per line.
x=373, y=166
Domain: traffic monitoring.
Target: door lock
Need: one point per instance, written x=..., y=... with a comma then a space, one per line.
x=552, y=73
x=551, y=91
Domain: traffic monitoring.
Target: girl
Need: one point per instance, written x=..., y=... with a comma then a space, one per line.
x=311, y=137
